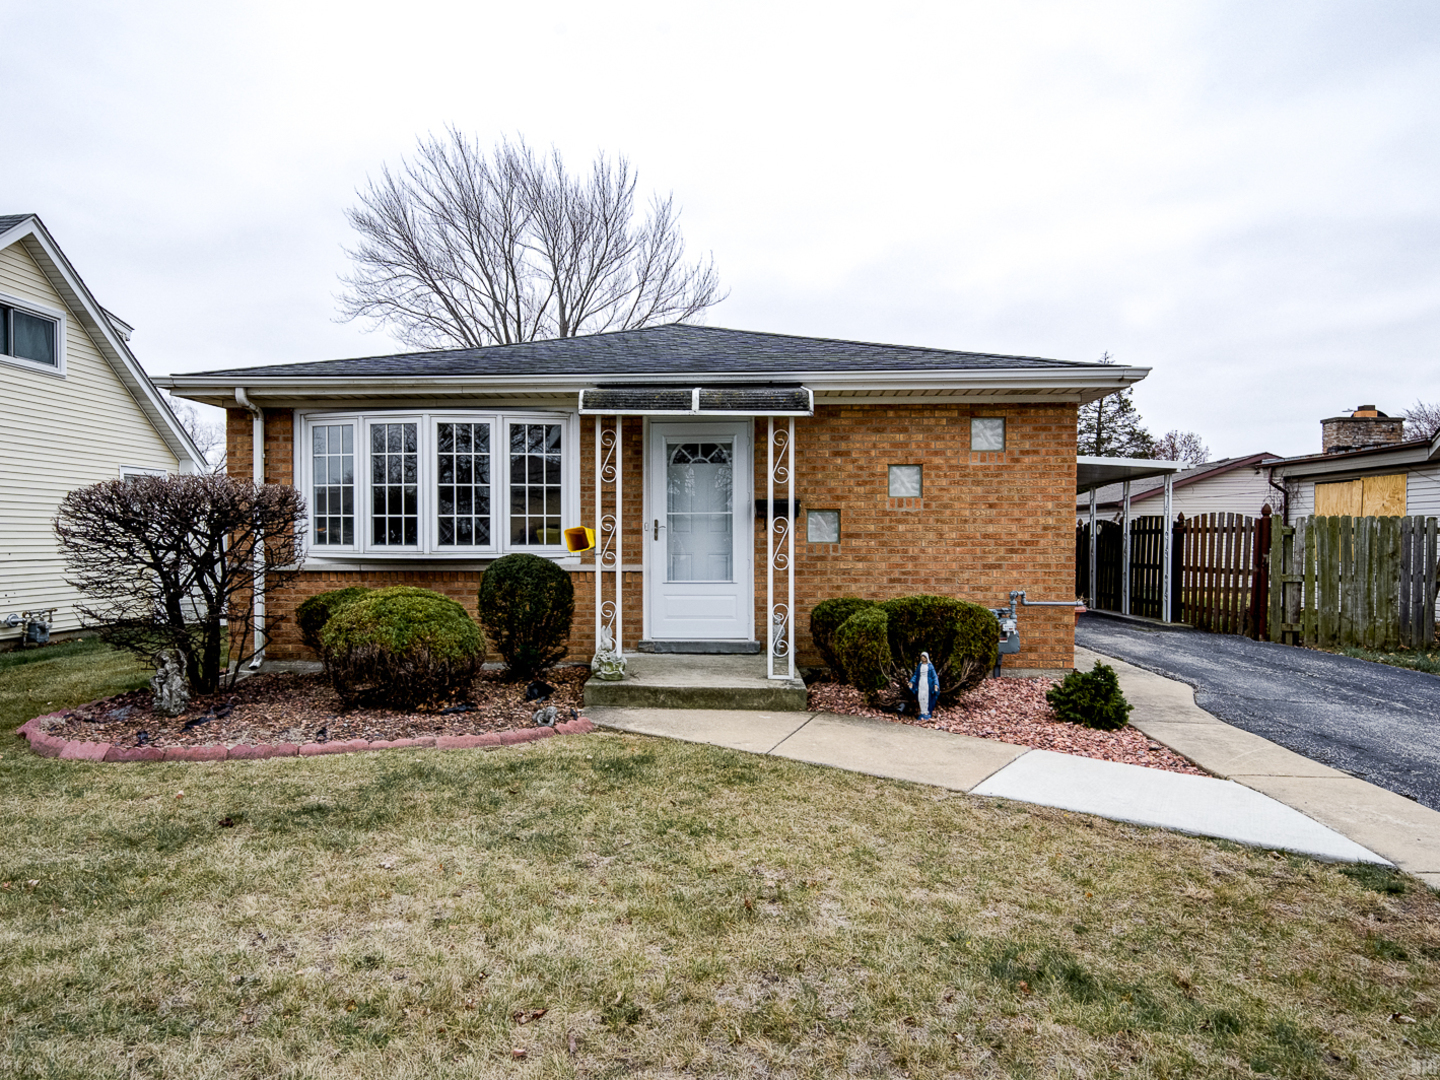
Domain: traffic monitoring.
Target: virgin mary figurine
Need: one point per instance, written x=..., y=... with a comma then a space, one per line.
x=925, y=685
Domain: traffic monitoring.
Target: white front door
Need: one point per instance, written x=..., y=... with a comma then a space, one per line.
x=699, y=539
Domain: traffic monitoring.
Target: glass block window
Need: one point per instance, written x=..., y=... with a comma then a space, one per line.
x=822, y=526
x=535, y=469
x=905, y=482
x=462, y=502
x=987, y=433
x=394, y=485
x=333, y=484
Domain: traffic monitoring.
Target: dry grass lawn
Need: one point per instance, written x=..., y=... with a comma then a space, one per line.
x=674, y=910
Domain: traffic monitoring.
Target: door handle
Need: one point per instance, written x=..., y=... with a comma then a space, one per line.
x=657, y=528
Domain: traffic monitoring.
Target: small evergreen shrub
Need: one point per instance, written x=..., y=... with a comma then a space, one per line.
x=862, y=645
x=1091, y=698
x=962, y=638
x=526, y=606
x=401, y=646
x=827, y=617
x=312, y=615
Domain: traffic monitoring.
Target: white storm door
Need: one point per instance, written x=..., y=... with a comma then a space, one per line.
x=699, y=532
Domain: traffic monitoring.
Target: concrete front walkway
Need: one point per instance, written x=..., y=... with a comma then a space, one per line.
x=1261, y=794
x=1400, y=829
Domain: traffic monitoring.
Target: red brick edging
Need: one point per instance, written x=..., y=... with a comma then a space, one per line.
x=79, y=750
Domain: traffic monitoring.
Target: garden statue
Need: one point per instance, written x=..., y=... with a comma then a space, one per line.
x=607, y=664
x=171, y=694
x=925, y=685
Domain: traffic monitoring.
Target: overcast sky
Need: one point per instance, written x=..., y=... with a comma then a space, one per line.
x=1241, y=196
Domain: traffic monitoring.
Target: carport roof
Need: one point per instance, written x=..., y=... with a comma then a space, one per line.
x=1096, y=472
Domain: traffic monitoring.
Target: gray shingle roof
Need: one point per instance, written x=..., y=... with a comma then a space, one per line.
x=9, y=221
x=672, y=349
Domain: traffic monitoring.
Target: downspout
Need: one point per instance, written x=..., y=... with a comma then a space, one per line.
x=257, y=457
x=1284, y=495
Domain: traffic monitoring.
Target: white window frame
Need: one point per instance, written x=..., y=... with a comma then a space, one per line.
x=496, y=470
x=428, y=548
x=127, y=471
x=41, y=311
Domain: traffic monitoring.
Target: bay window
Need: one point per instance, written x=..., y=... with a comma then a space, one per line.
x=438, y=484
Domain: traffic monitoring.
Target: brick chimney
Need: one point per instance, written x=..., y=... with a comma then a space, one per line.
x=1362, y=429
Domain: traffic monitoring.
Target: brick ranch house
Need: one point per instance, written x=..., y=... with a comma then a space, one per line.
x=913, y=470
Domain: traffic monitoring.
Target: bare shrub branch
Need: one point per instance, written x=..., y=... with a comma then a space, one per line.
x=464, y=249
x=163, y=560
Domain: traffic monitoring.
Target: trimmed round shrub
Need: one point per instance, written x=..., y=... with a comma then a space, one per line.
x=314, y=613
x=962, y=638
x=526, y=606
x=1091, y=698
x=862, y=645
x=827, y=617
x=401, y=646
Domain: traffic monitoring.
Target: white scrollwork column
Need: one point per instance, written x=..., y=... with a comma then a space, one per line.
x=609, y=617
x=780, y=550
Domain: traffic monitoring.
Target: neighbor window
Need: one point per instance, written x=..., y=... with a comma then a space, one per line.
x=822, y=526
x=905, y=481
x=28, y=336
x=416, y=484
x=987, y=433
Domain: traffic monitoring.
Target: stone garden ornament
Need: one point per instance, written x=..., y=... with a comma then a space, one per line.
x=608, y=665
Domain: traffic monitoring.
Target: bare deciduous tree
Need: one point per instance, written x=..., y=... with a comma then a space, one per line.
x=1184, y=446
x=464, y=249
x=1422, y=420
x=163, y=560
x=207, y=435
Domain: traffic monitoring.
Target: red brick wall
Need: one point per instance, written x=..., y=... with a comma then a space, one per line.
x=986, y=524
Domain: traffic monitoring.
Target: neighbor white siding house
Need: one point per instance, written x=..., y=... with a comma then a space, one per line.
x=75, y=409
x=1413, y=466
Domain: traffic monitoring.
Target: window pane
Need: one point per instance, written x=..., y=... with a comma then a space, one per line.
x=395, y=466
x=535, y=487
x=466, y=498
x=333, y=490
x=33, y=337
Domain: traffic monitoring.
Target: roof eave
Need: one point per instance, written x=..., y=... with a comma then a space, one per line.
x=1071, y=384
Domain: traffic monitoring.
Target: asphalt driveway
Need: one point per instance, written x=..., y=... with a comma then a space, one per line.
x=1379, y=723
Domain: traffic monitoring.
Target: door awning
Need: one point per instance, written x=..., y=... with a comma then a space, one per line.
x=697, y=401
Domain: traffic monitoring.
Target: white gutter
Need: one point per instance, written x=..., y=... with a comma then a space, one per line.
x=257, y=472
x=1107, y=378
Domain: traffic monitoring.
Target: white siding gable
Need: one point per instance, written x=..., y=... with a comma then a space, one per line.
x=61, y=432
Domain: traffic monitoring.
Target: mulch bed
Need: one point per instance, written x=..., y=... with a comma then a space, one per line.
x=290, y=708
x=1014, y=711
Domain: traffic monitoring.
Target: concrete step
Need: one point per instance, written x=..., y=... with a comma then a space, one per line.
x=687, y=681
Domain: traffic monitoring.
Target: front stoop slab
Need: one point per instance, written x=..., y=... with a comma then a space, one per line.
x=897, y=751
x=734, y=729
x=1405, y=832
x=688, y=681
x=1199, y=805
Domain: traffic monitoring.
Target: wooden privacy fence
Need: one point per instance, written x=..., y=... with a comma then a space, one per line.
x=1366, y=582
x=1223, y=577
